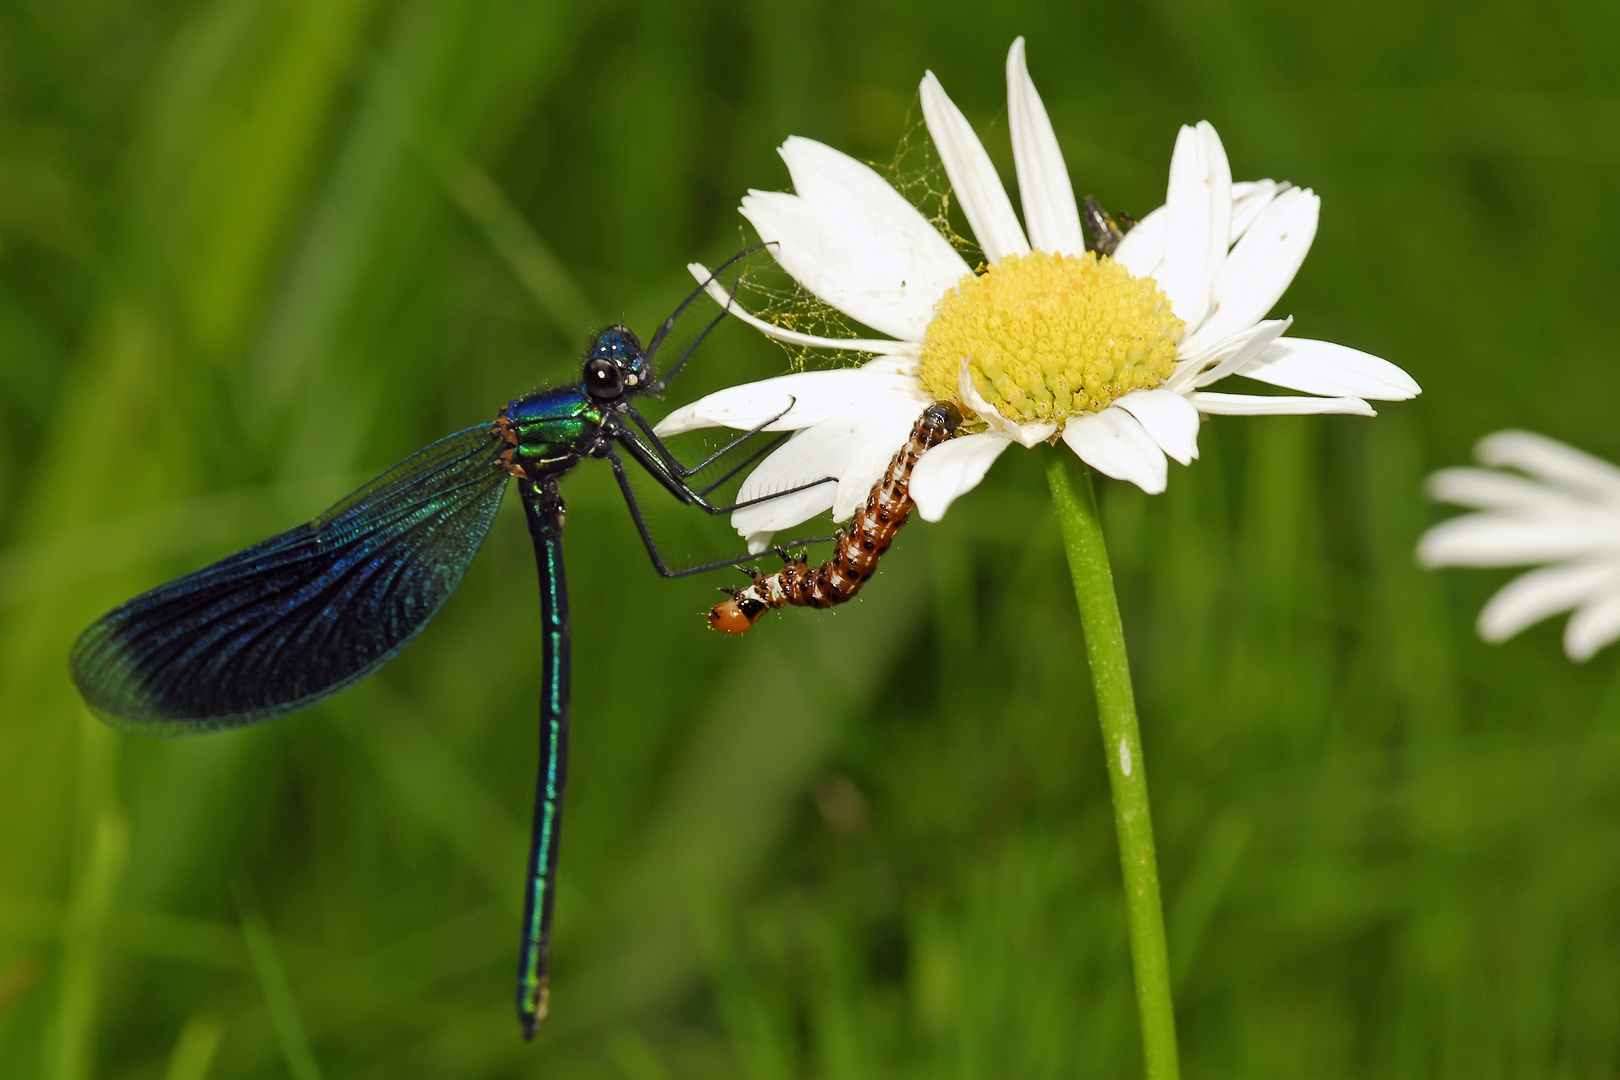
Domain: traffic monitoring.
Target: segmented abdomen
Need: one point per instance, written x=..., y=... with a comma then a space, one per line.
x=856, y=550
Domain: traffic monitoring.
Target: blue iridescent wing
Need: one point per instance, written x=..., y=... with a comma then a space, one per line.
x=287, y=622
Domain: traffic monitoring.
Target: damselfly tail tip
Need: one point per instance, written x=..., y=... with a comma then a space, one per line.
x=532, y=1016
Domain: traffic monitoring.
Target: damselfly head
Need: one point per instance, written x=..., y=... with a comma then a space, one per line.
x=618, y=343
x=614, y=365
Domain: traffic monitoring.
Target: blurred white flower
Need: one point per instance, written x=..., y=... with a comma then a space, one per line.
x=1110, y=354
x=1561, y=508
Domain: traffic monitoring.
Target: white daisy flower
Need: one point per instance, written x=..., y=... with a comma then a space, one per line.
x=1110, y=354
x=1561, y=508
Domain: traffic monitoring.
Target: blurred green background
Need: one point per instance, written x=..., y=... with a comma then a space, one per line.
x=252, y=252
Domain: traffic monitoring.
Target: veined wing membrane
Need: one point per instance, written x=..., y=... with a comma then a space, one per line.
x=289, y=621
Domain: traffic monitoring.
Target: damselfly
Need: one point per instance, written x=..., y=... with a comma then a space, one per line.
x=292, y=620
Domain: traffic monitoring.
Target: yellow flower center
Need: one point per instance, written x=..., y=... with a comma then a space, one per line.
x=1049, y=336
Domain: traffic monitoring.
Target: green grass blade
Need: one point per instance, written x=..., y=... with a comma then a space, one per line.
x=278, y=996
x=195, y=1049
x=70, y=1042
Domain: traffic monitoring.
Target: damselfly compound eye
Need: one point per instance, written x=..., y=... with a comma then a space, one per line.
x=603, y=379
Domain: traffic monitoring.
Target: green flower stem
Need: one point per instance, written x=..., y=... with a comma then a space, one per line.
x=1122, y=747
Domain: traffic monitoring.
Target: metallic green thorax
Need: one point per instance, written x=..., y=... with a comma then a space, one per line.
x=548, y=432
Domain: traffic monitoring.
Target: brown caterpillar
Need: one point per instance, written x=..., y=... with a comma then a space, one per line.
x=856, y=550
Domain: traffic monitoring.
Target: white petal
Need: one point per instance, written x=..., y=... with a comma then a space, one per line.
x=1142, y=250
x=1258, y=405
x=972, y=174
x=1528, y=599
x=1029, y=435
x=1043, y=179
x=1115, y=444
x=850, y=238
x=1323, y=367
x=768, y=517
x=1230, y=354
x=1551, y=460
x=844, y=264
x=1483, y=489
x=883, y=432
x=895, y=364
x=793, y=337
x=1169, y=418
x=951, y=470
x=799, y=400
x=851, y=189
x=1022, y=434
x=1593, y=627
x=1199, y=201
x=1249, y=198
x=759, y=542
x=816, y=452
x=1261, y=266
x=1513, y=540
